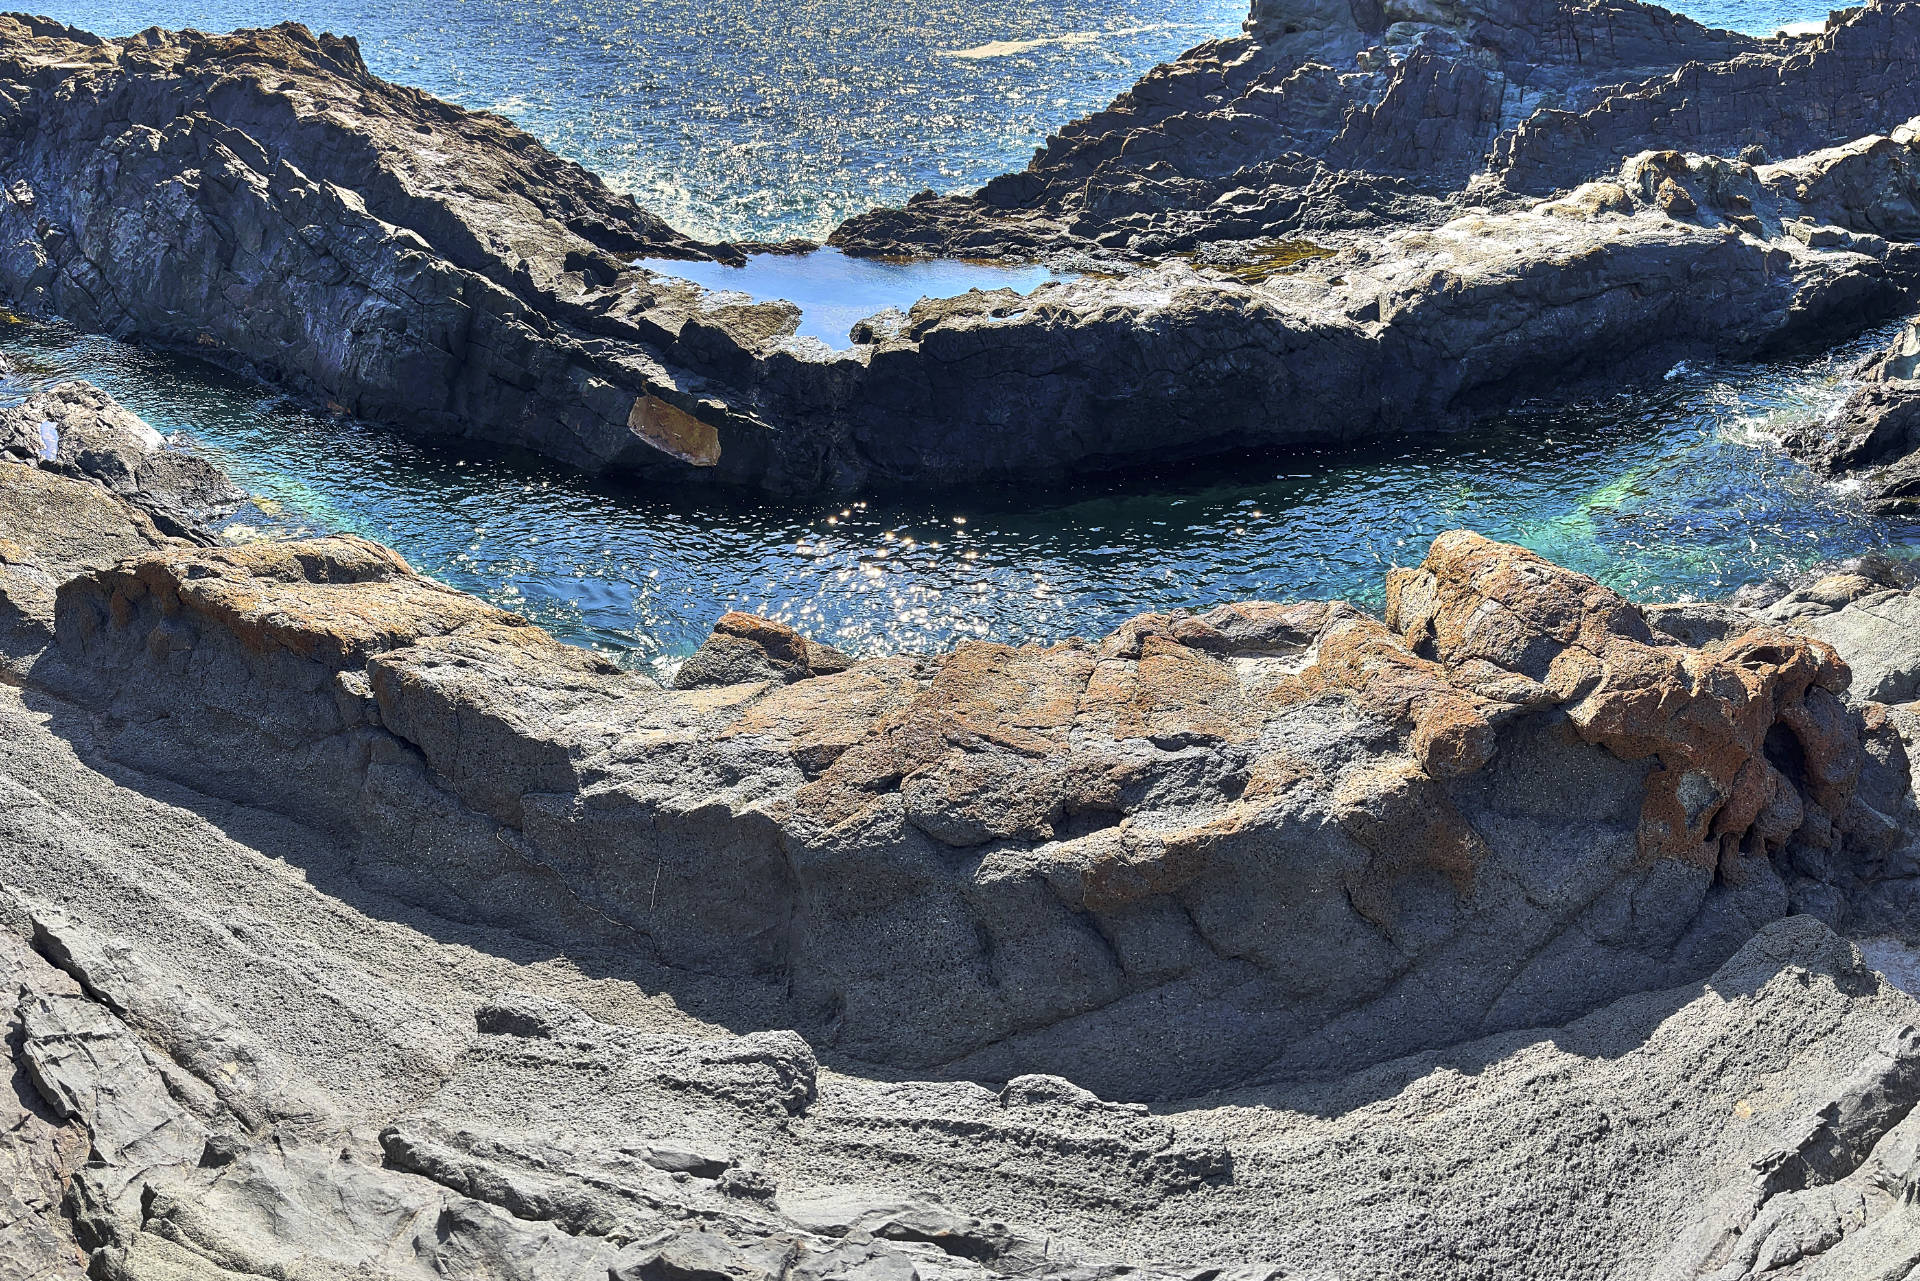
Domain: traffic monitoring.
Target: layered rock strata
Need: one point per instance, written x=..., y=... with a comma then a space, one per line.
x=1343, y=114
x=261, y=200
x=360, y=929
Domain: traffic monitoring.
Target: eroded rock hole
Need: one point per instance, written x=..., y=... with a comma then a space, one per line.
x=1783, y=752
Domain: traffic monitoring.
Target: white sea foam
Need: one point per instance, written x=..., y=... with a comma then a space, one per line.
x=1067, y=40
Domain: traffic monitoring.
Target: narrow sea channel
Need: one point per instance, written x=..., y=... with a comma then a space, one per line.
x=771, y=121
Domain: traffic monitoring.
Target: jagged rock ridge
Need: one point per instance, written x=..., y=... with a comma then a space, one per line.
x=261, y=200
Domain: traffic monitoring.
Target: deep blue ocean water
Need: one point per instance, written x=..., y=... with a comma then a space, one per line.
x=765, y=119
x=774, y=120
x=741, y=119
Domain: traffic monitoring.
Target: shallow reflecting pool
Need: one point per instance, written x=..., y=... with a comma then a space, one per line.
x=833, y=290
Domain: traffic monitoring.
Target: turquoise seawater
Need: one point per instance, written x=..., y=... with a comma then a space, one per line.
x=1662, y=493
x=770, y=121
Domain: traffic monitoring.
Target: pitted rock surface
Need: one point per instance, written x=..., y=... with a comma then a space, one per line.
x=1318, y=831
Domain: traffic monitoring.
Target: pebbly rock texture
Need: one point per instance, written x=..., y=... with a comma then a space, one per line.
x=356, y=928
x=261, y=200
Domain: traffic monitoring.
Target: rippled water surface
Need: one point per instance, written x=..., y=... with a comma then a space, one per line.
x=750, y=118
x=769, y=120
x=1664, y=493
x=1759, y=17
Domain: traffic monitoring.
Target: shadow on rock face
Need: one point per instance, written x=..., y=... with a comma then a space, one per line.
x=1202, y=850
x=356, y=898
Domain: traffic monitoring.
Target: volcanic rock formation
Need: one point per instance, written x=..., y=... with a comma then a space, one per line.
x=1330, y=114
x=358, y=928
x=261, y=200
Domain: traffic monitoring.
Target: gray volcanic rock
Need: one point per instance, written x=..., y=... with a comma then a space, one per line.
x=1871, y=624
x=56, y=526
x=451, y=951
x=466, y=1140
x=1332, y=115
x=262, y=200
x=1861, y=75
x=745, y=648
x=78, y=430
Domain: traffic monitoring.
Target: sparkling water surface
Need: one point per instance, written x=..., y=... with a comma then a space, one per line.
x=745, y=119
x=763, y=119
x=1663, y=493
x=776, y=120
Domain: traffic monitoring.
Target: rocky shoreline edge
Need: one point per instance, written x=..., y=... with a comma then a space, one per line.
x=359, y=929
x=359, y=925
x=1357, y=221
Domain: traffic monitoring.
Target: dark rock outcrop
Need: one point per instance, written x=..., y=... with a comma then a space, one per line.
x=78, y=430
x=1331, y=116
x=1873, y=439
x=261, y=200
x=1327, y=114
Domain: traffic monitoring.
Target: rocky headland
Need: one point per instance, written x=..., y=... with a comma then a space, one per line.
x=361, y=929
x=1358, y=220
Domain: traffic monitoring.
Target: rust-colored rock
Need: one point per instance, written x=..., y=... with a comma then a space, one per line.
x=746, y=647
x=1703, y=717
x=335, y=600
x=1342, y=837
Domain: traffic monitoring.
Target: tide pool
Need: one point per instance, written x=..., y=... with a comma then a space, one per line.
x=834, y=290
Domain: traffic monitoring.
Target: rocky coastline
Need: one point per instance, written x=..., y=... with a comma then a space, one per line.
x=360, y=929
x=360, y=925
x=1516, y=198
